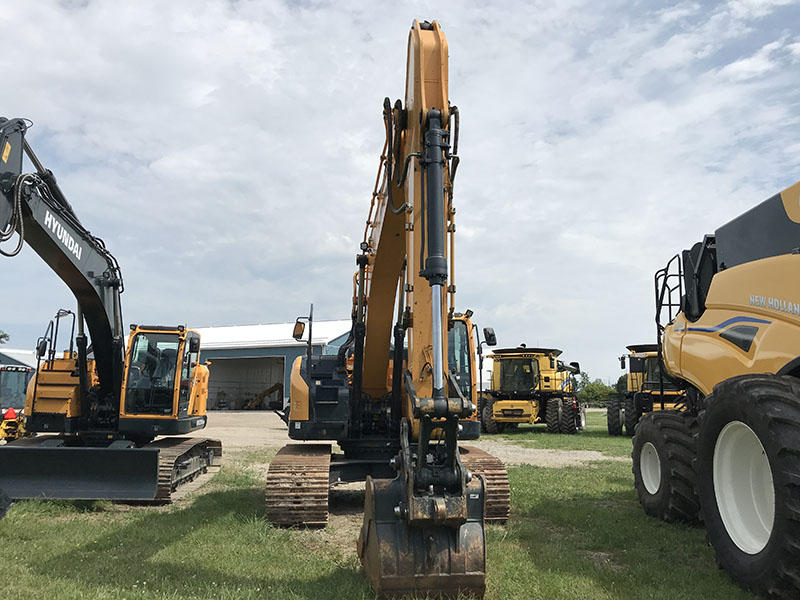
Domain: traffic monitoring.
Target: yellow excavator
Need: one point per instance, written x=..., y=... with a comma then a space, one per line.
x=401, y=391
x=97, y=408
x=728, y=318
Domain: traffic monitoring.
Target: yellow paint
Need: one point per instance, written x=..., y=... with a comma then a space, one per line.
x=298, y=394
x=6, y=152
x=705, y=359
x=791, y=201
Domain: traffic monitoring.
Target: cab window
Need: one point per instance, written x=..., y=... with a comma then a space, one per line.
x=151, y=373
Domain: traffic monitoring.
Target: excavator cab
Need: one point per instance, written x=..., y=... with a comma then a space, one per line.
x=101, y=453
x=165, y=389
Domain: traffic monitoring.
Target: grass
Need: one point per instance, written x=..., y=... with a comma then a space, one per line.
x=595, y=437
x=575, y=532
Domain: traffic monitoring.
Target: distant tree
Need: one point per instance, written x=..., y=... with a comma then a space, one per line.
x=3, y=337
x=622, y=386
x=581, y=381
x=596, y=392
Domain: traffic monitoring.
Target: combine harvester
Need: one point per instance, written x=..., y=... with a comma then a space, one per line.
x=530, y=385
x=730, y=455
x=647, y=389
x=402, y=390
x=102, y=407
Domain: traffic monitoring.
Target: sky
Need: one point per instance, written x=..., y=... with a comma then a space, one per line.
x=226, y=151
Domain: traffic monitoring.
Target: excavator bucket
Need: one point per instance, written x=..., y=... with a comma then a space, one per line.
x=435, y=561
x=78, y=473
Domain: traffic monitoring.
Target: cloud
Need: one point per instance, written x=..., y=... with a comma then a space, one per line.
x=226, y=151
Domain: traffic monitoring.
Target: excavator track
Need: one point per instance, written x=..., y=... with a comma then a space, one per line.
x=181, y=460
x=495, y=477
x=297, y=485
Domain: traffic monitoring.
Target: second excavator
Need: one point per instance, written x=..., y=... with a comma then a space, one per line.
x=99, y=406
x=401, y=391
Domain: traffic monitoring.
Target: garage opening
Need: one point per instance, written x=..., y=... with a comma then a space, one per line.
x=246, y=383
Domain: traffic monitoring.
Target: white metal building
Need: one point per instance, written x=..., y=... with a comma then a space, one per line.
x=249, y=359
x=10, y=356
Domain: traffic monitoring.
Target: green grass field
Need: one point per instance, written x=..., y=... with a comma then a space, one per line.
x=575, y=532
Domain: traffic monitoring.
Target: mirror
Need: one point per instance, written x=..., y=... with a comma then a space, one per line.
x=194, y=345
x=489, y=337
x=299, y=329
x=576, y=366
x=622, y=362
x=41, y=348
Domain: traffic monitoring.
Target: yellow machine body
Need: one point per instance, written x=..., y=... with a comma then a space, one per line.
x=541, y=366
x=173, y=401
x=643, y=376
x=758, y=299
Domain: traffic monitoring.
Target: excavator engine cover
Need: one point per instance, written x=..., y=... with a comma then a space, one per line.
x=48, y=472
x=437, y=561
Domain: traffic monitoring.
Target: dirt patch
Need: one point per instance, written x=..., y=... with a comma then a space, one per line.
x=603, y=559
x=511, y=454
x=245, y=429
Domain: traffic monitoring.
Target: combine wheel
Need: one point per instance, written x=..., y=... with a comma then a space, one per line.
x=581, y=417
x=488, y=421
x=552, y=414
x=614, y=416
x=748, y=468
x=631, y=416
x=570, y=416
x=481, y=405
x=663, y=450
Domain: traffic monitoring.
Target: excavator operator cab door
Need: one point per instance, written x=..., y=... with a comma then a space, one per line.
x=191, y=356
x=152, y=370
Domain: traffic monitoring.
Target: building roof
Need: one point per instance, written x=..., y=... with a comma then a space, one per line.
x=271, y=335
x=25, y=357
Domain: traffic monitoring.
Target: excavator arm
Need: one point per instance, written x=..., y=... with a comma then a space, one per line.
x=423, y=531
x=34, y=206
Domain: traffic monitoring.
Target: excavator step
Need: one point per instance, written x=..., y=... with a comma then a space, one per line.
x=495, y=477
x=297, y=485
x=432, y=561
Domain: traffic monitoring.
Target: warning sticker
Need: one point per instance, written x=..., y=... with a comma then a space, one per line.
x=6, y=152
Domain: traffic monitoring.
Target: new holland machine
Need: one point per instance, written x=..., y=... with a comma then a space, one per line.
x=530, y=385
x=401, y=391
x=647, y=389
x=731, y=456
x=97, y=408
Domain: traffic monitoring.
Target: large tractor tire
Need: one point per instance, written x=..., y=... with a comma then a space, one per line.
x=570, y=416
x=581, y=417
x=481, y=405
x=631, y=416
x=663, y=451
x=488, y=421
x=614, y=416
x=552, y=415
x=748, y=474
